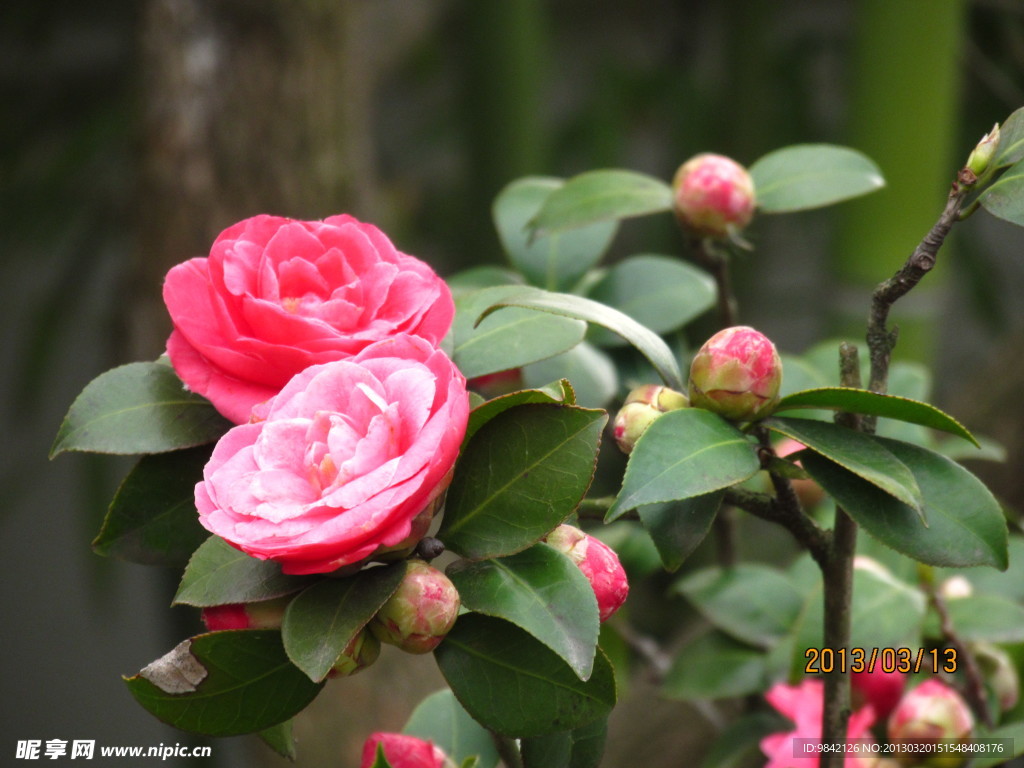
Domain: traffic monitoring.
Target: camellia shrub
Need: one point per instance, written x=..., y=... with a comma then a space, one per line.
x=342, y=452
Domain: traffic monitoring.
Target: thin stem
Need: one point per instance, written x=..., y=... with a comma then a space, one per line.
x=658, y=661
x=717, y=261
x=508, y=750
x=766, y=507
x=838, y=590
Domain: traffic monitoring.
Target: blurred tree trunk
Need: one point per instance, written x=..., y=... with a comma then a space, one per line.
x=256, y=106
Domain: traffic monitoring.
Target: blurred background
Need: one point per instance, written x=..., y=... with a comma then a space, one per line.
x=134, y=131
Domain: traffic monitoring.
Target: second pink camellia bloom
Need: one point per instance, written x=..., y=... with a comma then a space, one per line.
x=737, y=374
x=345, y=458
x=277, y=295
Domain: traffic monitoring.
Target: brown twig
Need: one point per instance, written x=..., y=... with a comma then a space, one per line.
x=766, y=507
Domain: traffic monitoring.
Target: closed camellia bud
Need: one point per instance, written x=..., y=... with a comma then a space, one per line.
x=933, y=713
x=982, y=154
x=266, y=614
x=403, y=751
x=713, y=196
x=599, y=564
x=360, y=653
x=736, y=374
x=421, y=612
x=642, y=408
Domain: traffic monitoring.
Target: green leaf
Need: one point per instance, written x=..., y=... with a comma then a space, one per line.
x=886, y=613
x=592, y=373
x=540, y=590
x=441, y=719
x=753, y=603
x=152, y=519
x=556, y=392
x=280, y=739
x=521, y=475
x=965, y=523
x=605, y=195
x=324, y=618
x=715, y=666
x=678, y=527
x=739, y=745
x=861, y=454
x=218, y=574
x=1011, y=141
x=1005, y=197
x=808, y=176
x=487, y=276
x=1014, y=733
x=685, y=453
x=644, y=339
x=658, y=292
x=579, y=748
x=510, y=339
x=555, y=261
x=982, y=618
x=514, y=685
x=224, y=684
x=874, y=404
x=138, y=408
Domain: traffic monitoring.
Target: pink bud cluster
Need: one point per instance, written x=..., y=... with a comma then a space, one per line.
x=642, y=407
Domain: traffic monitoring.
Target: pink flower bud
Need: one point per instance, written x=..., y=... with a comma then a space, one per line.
x=642, y=407
x=404, y=752
x=599, y=564
x=930, y=713
x=736, y=374
x=421, y=612
x=360, y=653
x=266, y=614
x=882, y=690
x=713, y=195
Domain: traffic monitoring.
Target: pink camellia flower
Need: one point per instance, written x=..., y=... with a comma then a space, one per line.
x=277, y=295
x=882, y=690
x=421, y=612
x=713, y=195
x=404, y=752
x=599, y=564
x=345, y=458
x=736, y=374
x=804, y=704
x=930, y=713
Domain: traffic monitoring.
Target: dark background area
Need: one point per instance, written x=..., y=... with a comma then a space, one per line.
x=135, y=130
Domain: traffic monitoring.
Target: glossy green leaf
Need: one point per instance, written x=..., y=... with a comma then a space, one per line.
x=658, y=292
x=579, y=748
x=152, y=519
x=685, y=453
x=521, y=475
x=138, y=408
x=486, y=276
x=873, y=404
x=280, y=739
x=982, y=618
x=441, y=719
x=555, y=260
x=508, y=339
x=224, y=684
x=1011, y=141
x=218, y=574
x=592, y=373
x=1005, y=197
x=598, y=196
x=540, y=590
x=965, y=523
x=753, y=603
x=1008, y=583
x=556, y=392
x=515, y=685
x=886, y=613
x=678, y=527
x=861, y=454
x=644, y=339
x=807, y=176
x=716, y=666
x=324, y=618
